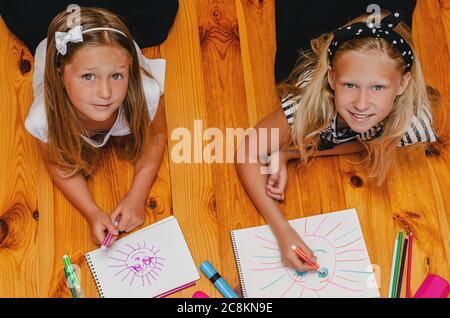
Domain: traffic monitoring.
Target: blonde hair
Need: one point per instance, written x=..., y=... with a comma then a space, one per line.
x=66, y=147
x=315, y=109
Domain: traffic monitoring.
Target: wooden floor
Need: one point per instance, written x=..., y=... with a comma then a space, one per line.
x=220, y=57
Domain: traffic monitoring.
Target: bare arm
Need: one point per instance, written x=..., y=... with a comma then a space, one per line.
x=250, y=173
x=76, y=190
x=263, y=192
x=131, y=209
x=147, y=167
x=255, y=184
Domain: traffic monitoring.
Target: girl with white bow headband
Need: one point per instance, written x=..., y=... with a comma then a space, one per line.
x=92, y=85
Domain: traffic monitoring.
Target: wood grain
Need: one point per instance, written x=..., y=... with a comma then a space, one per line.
x=220, y=58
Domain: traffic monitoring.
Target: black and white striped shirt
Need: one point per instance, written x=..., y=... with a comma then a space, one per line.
x=420, y=129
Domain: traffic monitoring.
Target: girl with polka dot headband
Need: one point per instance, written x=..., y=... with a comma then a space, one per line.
x=360, y=89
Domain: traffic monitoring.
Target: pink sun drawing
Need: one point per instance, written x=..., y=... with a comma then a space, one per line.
x=140, y=265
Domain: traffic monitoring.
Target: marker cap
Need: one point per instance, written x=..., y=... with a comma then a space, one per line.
x=208, y=269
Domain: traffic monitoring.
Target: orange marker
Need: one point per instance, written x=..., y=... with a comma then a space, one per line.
x=302, y=255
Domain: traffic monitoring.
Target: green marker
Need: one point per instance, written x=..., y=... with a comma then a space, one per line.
x=73, y=276
x=69, y=280
x=397, y=264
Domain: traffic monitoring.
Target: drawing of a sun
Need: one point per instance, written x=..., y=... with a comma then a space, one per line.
x=324, y=251
x=339, y=250
x=138, y=264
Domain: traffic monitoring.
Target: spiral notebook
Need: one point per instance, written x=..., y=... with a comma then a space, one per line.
x=153, y=262
x=338, y=243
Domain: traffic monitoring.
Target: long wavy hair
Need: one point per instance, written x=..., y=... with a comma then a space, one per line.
x=66, y=147
x=315, y=107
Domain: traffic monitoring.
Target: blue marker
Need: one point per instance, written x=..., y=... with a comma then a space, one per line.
x=215, y=278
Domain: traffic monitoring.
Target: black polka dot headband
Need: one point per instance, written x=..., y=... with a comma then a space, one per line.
x=385, y=30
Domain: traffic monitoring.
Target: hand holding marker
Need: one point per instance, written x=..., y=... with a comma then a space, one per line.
x=303, y=256
x=109, y=237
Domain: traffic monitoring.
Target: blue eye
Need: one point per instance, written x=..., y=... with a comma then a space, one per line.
x=378, y=87
x=88, y=77
x=349, y=85
x=117, y=76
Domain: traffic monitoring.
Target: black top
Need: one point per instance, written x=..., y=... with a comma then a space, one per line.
x=149, y=21
x=298, y=22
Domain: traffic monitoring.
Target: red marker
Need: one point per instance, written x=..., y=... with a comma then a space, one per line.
x=303, y=256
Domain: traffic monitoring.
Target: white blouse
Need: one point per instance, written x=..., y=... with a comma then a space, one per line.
x=36, y=121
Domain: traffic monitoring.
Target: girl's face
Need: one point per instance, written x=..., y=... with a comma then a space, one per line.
x=365, y=85
x=96, y=81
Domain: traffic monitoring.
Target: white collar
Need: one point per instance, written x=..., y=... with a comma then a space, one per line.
x=98, y=144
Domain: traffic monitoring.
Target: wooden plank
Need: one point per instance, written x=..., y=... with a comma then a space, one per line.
x=415, y=195
x=433, y=49
x=226, y=97
x=445, y=14
x=19, y=253
x=159, y=201
x=258, y=46
x=46, y=232
x=192, y=185
x=412, y=198
x=440, y=181
x=374, y=213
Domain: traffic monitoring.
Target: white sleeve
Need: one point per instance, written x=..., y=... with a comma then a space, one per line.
x=39, y=64
x=153, y=87
x=152, y=94
x=36, y=121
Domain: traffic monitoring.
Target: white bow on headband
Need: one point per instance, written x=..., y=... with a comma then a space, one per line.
x=76, y=35
x=62, y=38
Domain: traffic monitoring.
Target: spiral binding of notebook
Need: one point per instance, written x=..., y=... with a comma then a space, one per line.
x=94, y=275
x=238, y=265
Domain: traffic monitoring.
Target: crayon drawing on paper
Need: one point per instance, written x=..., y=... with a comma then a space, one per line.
x=337, y=242
x=137, y=264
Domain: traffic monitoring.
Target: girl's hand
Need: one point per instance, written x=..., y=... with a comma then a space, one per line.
x=130, y=212
x=277, y=181
x=100, y=224
x=289, y=257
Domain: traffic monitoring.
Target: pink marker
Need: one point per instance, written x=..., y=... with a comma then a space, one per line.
x=433, y=287
x=199, y=294
x=108, y=237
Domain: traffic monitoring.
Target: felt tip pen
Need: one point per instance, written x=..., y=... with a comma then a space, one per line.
x=69, y=281
x=108, y=237
x=303, y=256
x=217, y=280
x=73, y=276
